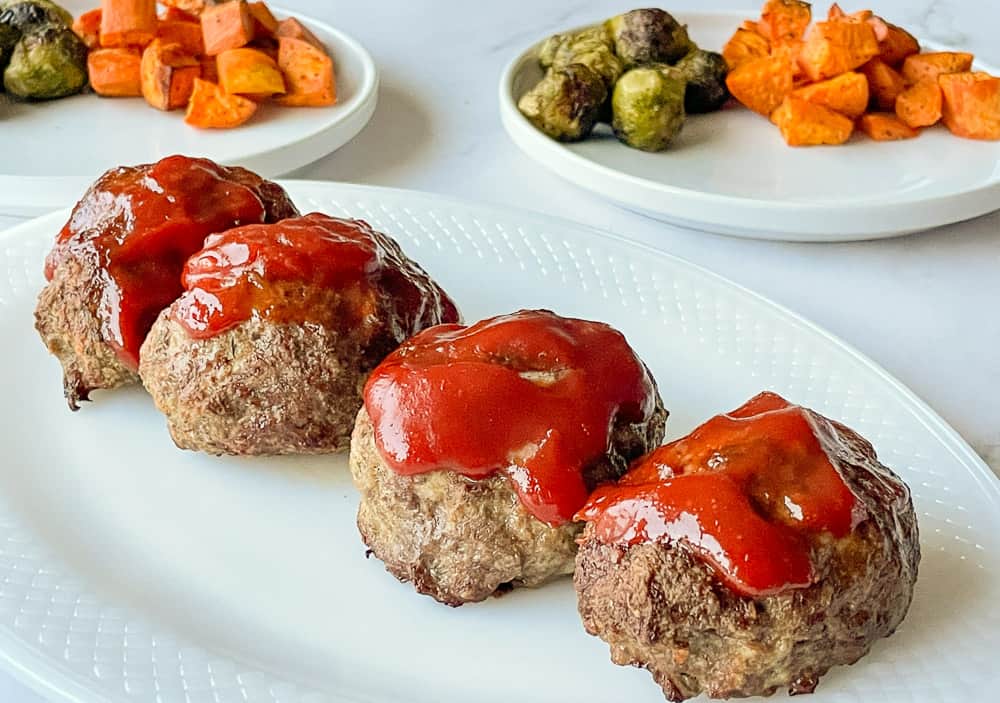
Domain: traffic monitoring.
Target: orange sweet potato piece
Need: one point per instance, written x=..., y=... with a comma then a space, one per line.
x=920, y=105
x=265, y=24
x=750, y=26
x=846, y=94
x=175, y=14
x=167, y=75
x=187, y=34
x=209, y=68
x=127, y=22
x=884, y=83
x=184, y=10
x=886, y=127
x=927, y=67
x=782, y=20
x=971, y=106
x=761, y=84
x=211, y=107
x=745, y=46
x=294, y=29
x=308, y=71
x=834, y=47
x=226, y=26
x=897, y=45
x=249, y=72
x=803, y=123
x=88, y=27
x=836, y=13
x=115, y=72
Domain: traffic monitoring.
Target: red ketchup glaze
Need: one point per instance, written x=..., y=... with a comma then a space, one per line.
x=139, y=224
x=246, y=271
x=531, y=395
x=748, y=492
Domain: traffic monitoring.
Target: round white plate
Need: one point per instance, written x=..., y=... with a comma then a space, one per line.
x=731, y=172
x=132, y=571
x=49, y=148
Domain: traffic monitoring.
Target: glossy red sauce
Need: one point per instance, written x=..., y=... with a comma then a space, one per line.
x=140, y=224
x=532, y=395
x=748, y=491
x=284, y=272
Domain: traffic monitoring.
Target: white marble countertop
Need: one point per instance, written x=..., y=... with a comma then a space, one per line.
x=923, y=306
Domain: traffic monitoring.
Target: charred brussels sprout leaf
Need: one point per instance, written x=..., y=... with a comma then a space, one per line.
x=648, y=107
x=26, y=14
x=566, y=102
x=705, y=73
x=49, y=62
x=648, y=36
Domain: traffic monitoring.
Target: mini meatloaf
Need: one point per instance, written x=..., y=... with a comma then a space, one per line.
x=478, y=444
x=268, y=348
x=117, y=262
x=754, y=554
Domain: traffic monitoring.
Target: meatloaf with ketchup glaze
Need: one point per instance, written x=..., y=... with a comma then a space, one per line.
x=754, y=554
x=477, y=444
x=117, y=262
x=268, y=348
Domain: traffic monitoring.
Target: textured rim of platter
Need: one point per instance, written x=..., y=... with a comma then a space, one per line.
x=35, y=195
x=821, y=370
x=753, y=218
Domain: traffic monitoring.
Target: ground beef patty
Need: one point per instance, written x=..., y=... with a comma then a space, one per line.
x=662, y=606
x=268, y=349
x=116, y=263
x=471, y=530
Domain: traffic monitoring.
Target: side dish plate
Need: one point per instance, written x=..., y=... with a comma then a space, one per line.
x=50, y=147
x=133, y=571
x=730, y=172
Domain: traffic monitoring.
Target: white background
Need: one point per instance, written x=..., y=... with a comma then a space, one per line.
x=926, y=307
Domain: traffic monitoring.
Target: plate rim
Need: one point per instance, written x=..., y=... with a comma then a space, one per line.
x=568, y=165
x=40, y=673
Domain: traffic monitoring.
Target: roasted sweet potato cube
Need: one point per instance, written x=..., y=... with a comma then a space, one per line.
x=920, y=105
x=927, y=67
x=745, y=46
x=88, y=27
x=168, y=75
x=803, y=123
x=971, y=106
x=834, y=47
x=308, y=72
x=294, y=29
x=115, y=72
x=265, y=24
x=210, y=107
x=846, y=94
x=226, y=26
x=884, y=83
x=209, y=68
x=127, y=22
x=886, y=127
x=175, y=14
x=187, y=34
x=897, y=45
x=782, y=20
x=249, y=72
x=761, y=84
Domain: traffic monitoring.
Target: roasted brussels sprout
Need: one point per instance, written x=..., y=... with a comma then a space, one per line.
x=593, y=54
x=49, y=61
x=547, y=54
x=705, y=73
x=25, y=14
x=8, y=40
x=566, y=102
x=648, y=107
x=648, y=36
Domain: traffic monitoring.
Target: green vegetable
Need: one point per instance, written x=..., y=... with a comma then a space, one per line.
x=9, y=36
x=25, y=14
x=648, y=107
x=566, y=102
x=49, y=61
x=648, y=36
x=593, y=54
x=705, y=73
x=547, y=54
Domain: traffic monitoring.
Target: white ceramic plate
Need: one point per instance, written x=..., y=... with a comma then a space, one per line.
x=731, y=171
x=49, y=148
x=132, y=571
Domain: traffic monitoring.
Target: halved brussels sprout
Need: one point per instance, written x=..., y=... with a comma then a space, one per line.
x=49, y=61
x=705, y=73
x=648, y=36
x=566, y=102
x=648, y=107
